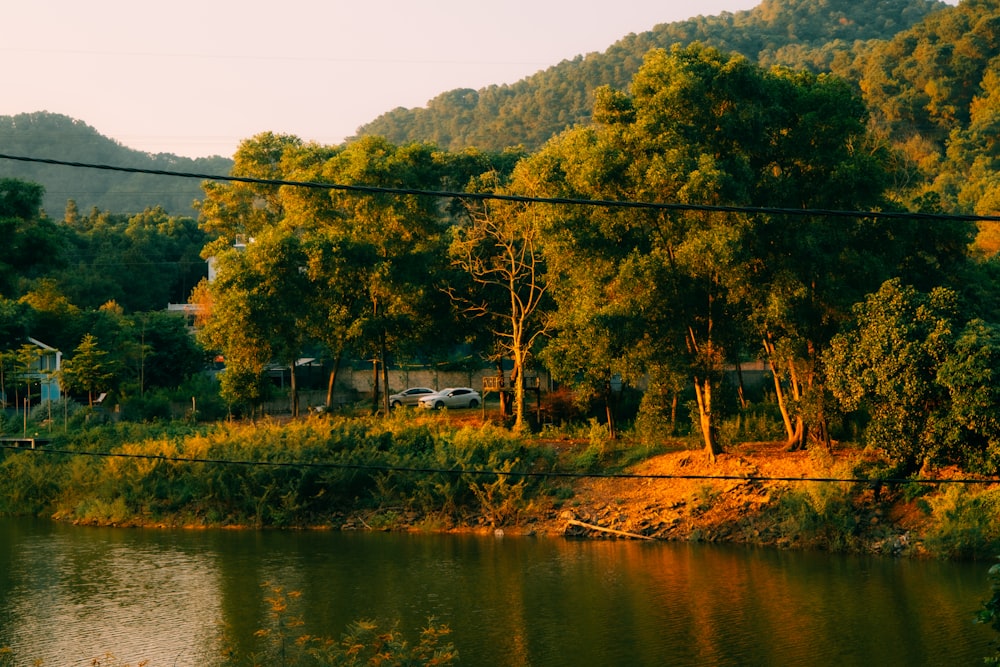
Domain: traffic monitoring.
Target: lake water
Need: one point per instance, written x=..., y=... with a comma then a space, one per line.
x=178, y=598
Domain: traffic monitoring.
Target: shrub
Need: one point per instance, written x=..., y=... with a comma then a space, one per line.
x=965, y=522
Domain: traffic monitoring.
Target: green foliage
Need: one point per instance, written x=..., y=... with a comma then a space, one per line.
x=102, y=252
x=756, y=422
x=809, y=35
x=965, y=522
x=30, y=482
x=89, y=370
x=50, y=134
x=303, y=473
x=990, y=613
x=820, y=514
x=971, y=430
x=887, y=364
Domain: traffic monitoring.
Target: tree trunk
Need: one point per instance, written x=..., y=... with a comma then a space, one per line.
x=779, y=390
x=796, y=428
x=609, y=411
x=675, y=399
x=383, y=352
x=332, y=382
x=294, y=389
x=740, y=389
x=703, y=392
x=376, y=392
x=517, y=383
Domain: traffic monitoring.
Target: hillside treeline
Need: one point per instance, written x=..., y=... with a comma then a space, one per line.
x=800, y=34
x=925, y=70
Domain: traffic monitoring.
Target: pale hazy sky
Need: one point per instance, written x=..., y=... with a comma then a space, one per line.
x=195, y=77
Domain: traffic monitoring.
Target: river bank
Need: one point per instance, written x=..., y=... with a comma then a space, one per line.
x=435, y=473
x=764, y=498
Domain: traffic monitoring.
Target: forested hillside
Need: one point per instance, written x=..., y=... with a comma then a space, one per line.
x=933, y=90
x=797, y=33
x=58, y=137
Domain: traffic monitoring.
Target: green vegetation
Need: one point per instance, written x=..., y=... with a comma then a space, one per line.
x=990, y=613
x=875, y=330
x=308, y=473
x=54, y=136
x=798, y=34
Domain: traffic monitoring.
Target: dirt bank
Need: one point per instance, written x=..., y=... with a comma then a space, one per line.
x=675, y=503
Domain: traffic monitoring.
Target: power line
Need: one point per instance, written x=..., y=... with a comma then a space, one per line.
x=485, y=196
x=500, y=473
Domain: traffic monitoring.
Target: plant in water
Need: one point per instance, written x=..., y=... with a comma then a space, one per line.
x=363, y=643
x=500, y=500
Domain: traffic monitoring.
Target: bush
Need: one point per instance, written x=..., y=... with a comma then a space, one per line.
x=965, y=522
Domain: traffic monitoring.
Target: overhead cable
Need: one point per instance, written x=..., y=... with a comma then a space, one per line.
x=488, y=196
x=874, y=482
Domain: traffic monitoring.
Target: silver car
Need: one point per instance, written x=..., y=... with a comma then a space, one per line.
x=452, y=397
x=409, y=396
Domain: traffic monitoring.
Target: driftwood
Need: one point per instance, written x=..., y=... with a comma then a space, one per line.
x=590, y=526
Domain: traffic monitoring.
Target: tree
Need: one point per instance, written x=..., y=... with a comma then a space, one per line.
x=163, y=351
x=500, y=249
x=818, y=155
x=886, y=364
x=25, y=368
x=393, y=242
x=89, y=369
x=257, y=311
x=31, y=242
x=656, y=284
x=971, y=430
x=400, y=236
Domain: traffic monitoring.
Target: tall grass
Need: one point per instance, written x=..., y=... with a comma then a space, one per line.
x=306, y=472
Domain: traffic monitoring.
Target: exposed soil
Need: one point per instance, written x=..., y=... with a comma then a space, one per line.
x=679, y=496
x=671, y=498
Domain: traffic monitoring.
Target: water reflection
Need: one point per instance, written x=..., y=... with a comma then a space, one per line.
x=68, y=594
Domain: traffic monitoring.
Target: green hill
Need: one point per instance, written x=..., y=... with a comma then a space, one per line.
x=58, y=137
x=796, y=33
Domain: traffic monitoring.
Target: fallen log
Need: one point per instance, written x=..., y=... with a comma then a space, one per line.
x=590, y=526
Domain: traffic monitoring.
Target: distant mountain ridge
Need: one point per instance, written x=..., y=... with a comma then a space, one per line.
x=803, y=34
x=55, y=136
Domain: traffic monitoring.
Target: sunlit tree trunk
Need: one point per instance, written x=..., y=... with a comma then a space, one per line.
x=703, y=394
x=332, y=381
x=294, y=389
x=384, y=353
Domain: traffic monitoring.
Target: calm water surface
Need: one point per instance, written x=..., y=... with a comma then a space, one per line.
x=178, y=598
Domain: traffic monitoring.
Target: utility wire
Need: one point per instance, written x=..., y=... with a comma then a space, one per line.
x=486, y=196
x=498, y=473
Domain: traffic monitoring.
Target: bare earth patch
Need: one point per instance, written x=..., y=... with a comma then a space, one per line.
x=672, y=497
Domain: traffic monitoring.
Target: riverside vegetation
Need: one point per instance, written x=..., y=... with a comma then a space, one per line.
x=443, y=472
x=452, y=471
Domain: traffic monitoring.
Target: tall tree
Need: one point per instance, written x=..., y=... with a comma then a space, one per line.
x=402, y=235
x=657, y=282
x=89, y=369
x=501, y=251
x=391, y=241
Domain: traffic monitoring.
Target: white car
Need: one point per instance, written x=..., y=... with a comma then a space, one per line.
x=452, y=397
x=409, y=396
